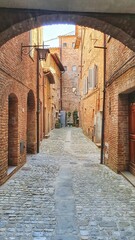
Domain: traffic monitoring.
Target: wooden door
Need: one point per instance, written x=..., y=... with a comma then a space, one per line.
x=132, y=138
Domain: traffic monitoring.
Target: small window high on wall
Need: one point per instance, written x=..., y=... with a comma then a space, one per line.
x=74, y=68
x=64, y=45
x=73, y=44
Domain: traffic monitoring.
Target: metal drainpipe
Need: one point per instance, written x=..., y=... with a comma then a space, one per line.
x=44, y=105
x=61, y=75
x=103, y=118
x=38, y=110
x=60, y=91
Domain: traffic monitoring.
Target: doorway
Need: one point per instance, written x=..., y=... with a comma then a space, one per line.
x=31, y=123
x=132, y=133
x=12, y=130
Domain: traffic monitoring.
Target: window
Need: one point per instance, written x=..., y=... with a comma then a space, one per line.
x=65, y=67
x=92, y=77
x=64, y=45
x=73, y=44
x=85, y=85
x=74, y=68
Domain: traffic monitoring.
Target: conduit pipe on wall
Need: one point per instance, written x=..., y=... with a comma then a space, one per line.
x=61, y=86
x=104, y=92
x=41, y=55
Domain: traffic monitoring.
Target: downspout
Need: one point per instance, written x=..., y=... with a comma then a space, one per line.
x=61, y=76
x=38, y=107
x=103, y=117
x=83, y=30
x=44, y=105
x=81, y=54
x=82, y=44
x=61, y=91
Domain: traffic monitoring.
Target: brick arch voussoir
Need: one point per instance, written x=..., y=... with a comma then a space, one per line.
x=7, y=90
x=86, y=21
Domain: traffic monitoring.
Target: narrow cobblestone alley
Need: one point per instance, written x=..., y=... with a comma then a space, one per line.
x=63, y=193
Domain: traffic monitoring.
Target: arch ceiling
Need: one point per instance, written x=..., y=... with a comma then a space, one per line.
x=103, y=6
x=113, y=17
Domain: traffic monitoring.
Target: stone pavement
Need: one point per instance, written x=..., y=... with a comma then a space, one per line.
x=63, y=193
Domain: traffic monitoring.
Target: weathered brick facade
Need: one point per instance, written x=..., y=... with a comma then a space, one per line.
x=70, y=60
x=91, y=81
x=18, y=102
x=18, y=96
x=120, y=82
x=52, y=89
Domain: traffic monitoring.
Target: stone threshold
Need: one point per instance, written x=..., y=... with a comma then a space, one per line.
x=129, y=176
x=46, y=136
x=11, y=169
x=98, y=145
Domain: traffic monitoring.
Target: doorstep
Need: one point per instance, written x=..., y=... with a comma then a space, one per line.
x=11, y=169
x=98, y=145
x=47, y=136
x=129, y=176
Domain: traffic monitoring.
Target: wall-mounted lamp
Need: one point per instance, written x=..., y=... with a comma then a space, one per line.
x=26, y=50
x=42, y=53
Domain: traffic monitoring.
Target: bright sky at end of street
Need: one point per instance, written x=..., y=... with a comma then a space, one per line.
x=51, y=33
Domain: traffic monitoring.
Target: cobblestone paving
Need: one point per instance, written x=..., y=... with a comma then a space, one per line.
x=63, y=193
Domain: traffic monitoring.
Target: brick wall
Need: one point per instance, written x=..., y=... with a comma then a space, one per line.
x=17, y=80
x=70, y=60
x=92, y=96
x=51, y=92
x=120, y=82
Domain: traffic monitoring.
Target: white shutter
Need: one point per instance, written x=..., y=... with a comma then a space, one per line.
x=90, y=78
x=96, y=75
x=93, y=77
x=85, y=86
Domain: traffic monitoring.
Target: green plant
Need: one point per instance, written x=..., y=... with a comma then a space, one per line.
x=57, y=124
x=75, y=118
x=69, y=114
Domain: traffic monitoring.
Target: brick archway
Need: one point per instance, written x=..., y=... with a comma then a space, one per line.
x=31, y=123
x=118, y=26
x=12, y=130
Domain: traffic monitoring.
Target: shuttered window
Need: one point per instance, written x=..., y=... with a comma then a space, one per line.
x=92, y=77
x=85, y=85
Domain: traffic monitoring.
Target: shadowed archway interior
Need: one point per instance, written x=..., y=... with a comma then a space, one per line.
x=119, y=26
x=31, y=123
x=12, y=130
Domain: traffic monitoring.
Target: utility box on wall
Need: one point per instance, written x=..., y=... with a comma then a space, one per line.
x=22, y=146
x=98, y=127
x=63, y=118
